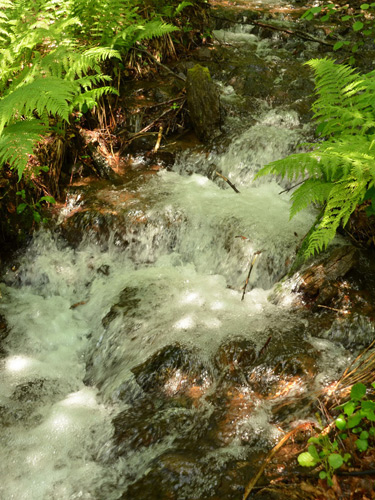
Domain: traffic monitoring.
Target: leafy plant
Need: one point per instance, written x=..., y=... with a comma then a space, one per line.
x=339, y=172
x=357, y=418
x=51, y=63
x=34, y=208
x=361, y=21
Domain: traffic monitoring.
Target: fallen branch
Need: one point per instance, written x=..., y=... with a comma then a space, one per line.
x=228, y=181
x=251, y=268
x=297, y=33
x=138, y=49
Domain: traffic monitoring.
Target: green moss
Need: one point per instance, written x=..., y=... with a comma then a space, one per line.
x=199, y=71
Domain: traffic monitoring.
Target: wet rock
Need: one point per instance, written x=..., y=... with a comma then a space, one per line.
x=353, y=333
x=152, y=421
x=235, y=358
x=104, y=269
x=203, y=103
x=319, y=281
x=126, y=305
x=173, y=478
x=4, y=332
x=144, y=143
x=173, y=370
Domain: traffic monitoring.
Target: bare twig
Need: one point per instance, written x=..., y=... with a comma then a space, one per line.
x=292, y=187
x=250, y=269
x=157, y=145
x=342, y=311
x=228, y=181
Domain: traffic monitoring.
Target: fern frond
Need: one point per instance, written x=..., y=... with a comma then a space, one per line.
x=17, y=142
x=311, y=191
x=44, y=95
x=294, y=166
x=91, y=97
x=180, y=7
x=154, y=29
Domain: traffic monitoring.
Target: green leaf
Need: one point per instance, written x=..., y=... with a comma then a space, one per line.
x=306, y=459
x=347, y=457
x=340, y=422
x=308, y=15
x=345, y=18
x=21, y=207
x=338, y=45
x=335, y=460
x=369, y=414
x=313, y=452
x=365, y=6
x=314, y=439
x=362, y=444
x=364, y=435
x=357, y=26
x=322, y=474
x=358, y=391
x=354, y=420
x=48, y=199
x=37, y=217
x=349, y=408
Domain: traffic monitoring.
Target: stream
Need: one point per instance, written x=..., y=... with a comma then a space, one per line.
x=131, y=368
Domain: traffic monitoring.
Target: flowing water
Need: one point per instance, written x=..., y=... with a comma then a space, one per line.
x=133, y=369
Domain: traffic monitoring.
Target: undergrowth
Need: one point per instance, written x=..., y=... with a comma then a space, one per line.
x=57, y=58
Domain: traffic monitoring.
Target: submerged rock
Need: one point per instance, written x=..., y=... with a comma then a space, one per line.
x=203, y=103
x=173, y=369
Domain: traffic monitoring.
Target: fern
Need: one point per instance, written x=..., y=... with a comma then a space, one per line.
x=51, y=61
x=340, y=171
x=17, y=143
x=45, y=95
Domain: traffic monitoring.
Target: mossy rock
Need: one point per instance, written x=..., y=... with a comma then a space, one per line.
x=203, y=103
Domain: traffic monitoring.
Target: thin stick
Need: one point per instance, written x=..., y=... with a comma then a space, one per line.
x=251, y=268
x=228, y=181
x=342, y=311
x=255, y=479
x=157, y=145
x=292, y=187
